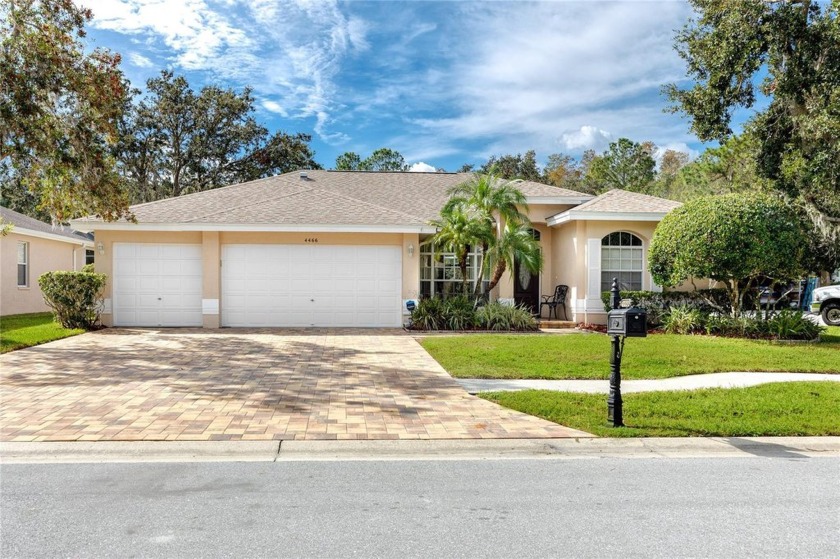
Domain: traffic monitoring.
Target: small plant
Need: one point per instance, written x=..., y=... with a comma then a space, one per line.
x=74, y=297
x=793, y=325
x=683, y=320
x=88, y=269
x=721, y=325
x=459, y=313
x=428, y=315
x=499, y=317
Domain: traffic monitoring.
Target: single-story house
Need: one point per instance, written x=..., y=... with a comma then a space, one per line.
x=30, y=249
x=343, y=248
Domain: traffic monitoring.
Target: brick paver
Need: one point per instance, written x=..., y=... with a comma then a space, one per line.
x=184, y=384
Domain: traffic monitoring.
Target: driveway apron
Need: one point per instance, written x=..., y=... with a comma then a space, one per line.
x=244, y=384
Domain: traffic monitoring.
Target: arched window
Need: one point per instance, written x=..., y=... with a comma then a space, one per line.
x=622, y=258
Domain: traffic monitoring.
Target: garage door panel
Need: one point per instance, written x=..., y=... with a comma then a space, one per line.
x=311, y=285
x=157, y=285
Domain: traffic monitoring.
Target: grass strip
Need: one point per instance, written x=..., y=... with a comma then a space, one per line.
x=586, y=356
x=24, y=330
x=779, y=409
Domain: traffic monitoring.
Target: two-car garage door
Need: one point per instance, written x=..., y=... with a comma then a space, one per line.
x=261, y=285
x=311, y=285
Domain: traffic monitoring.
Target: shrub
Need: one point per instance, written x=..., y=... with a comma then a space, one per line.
x=74, y=297
x=735, y=239
x=657, y=303
x=793, y=325
x=88, y=269
x=459, y=313
x=683, y=320
x=428, y=315
x=499, y=317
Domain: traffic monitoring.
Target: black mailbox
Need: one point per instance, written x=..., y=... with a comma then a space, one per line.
x=630, y=322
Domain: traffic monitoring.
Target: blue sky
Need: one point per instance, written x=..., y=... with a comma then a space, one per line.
x=444, y=83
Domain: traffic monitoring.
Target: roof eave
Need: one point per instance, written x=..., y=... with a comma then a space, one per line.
x=51, y=236
x=572, y=215
x=88, y=226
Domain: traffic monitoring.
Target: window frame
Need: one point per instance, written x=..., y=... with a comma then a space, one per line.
x=24, y=245
x=444, y=271
x=625, y=261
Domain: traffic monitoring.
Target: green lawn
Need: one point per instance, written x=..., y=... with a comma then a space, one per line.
x=24, y=330
x=782, y=409
x=586, y=356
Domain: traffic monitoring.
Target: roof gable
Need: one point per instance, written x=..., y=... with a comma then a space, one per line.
x=618, y=204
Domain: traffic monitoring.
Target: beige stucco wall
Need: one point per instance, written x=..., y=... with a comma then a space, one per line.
x=212, y=242
x=571, y=258
x=565, y=251
x=45, y=255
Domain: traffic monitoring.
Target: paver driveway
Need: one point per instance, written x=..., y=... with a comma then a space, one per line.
x=184, y=384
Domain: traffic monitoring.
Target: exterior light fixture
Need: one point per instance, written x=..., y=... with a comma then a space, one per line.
x=411, y=250
x=100, y=246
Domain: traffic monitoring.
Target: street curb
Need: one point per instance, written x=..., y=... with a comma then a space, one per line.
x=469, y=449
x=138, y=451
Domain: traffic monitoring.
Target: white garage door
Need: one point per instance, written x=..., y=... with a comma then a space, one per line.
x=157, y=285
x=311, y=285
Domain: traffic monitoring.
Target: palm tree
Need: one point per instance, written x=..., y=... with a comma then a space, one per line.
x=516, y=243
x=489, y=196
x=457, y=230
x=492, y=198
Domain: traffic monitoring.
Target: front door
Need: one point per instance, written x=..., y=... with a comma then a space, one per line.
x=526, y=286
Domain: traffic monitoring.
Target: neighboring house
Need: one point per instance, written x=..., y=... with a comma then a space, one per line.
x=30, y=249
x=333, y=248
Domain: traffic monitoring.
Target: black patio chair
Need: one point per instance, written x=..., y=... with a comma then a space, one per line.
x=556, y=300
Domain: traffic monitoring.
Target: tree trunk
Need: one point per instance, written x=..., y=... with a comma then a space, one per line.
x=497, y=275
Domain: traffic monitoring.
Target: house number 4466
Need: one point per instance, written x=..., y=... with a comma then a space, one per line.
x=311, y=240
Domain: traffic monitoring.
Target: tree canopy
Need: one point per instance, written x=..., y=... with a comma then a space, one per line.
x=795, y=45
x=383, y=159
x=735, y=239
x=60, y=105
x=176, y=140
x=626, y=165
x=514, y=166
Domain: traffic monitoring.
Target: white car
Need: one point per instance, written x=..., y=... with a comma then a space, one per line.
x=826, y=302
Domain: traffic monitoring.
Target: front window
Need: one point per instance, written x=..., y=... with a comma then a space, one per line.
x=23, y=264
x=88, y=256
x=621, y=257
x=440, y=274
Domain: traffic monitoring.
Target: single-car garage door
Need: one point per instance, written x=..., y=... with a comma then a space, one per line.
x=157, y=285
x=311, y=285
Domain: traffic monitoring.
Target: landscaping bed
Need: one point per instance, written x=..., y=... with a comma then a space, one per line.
x=24, y=330
x=586, y=356
x=781, y=409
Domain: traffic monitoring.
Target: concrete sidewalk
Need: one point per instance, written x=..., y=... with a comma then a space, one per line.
x=487, y=449
x=690, y=382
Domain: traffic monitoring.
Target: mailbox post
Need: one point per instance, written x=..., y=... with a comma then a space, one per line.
x=621, y=324
x=615, y=412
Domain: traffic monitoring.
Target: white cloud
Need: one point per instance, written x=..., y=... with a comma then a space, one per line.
x=587, y=137
x=674, y=146
x=421, y=167
x=289, y=51
x=539, y=69
x=139, y=60
x=273, y=107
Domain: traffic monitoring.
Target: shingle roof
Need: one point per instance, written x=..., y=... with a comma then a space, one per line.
x=624, y=201
x=324, y=197
x=22, y=221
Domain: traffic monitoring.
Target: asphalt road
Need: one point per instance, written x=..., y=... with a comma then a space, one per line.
x=609, y=507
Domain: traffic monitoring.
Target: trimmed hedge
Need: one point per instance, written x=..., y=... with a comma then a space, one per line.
x=658, y=303
x=74, y=297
